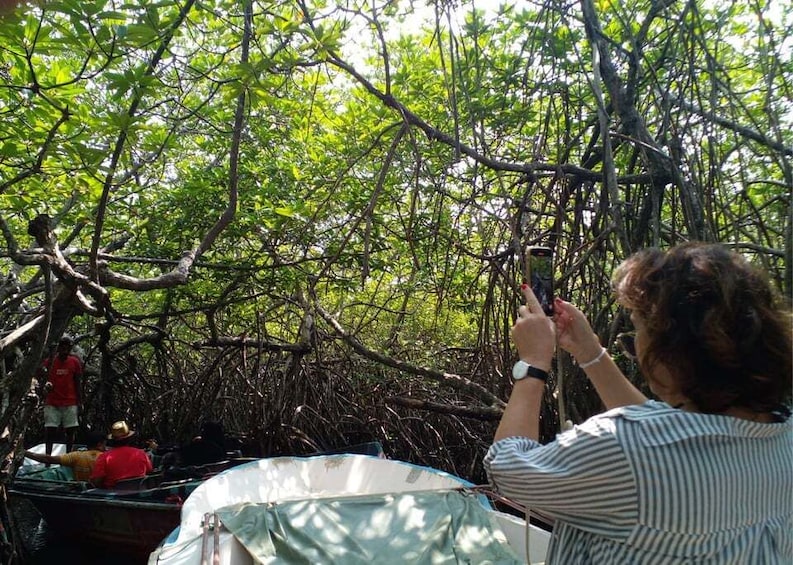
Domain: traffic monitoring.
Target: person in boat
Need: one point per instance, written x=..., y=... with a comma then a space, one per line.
x=701, y=475
x=62, y=375
x=80, y=461
x=122, y=461
x=207, y=447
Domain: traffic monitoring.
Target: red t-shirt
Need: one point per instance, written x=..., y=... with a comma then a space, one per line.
x=62, y=374
x=119, y=463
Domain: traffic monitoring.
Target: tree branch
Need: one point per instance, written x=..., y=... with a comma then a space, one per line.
x=487, y=414
x=455, y=381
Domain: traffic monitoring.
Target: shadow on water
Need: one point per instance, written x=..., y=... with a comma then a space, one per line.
x=41, y=548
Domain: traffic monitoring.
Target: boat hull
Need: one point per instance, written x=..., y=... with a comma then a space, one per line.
x=284, y=481
x=134, y=526
x=133, y=517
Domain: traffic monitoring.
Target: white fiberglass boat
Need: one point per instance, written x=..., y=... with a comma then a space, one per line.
x=344, y=509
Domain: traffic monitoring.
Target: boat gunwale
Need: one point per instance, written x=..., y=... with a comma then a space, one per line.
x=94, y=499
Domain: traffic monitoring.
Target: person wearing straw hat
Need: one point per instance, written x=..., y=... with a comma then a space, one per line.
x=123, y=461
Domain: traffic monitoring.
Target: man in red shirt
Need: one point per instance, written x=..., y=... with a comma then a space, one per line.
x=63, y=374
x=122, y=461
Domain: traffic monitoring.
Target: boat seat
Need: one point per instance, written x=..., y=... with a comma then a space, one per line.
x=138, y=483
x=196, y=471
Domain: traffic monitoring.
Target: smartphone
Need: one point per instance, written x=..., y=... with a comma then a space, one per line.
x=539, y=274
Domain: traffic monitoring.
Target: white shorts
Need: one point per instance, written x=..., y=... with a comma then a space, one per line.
x=65, y=416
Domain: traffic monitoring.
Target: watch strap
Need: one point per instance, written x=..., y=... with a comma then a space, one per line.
x=521, y=370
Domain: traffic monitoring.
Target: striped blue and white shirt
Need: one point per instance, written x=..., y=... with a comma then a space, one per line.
x=648, y=484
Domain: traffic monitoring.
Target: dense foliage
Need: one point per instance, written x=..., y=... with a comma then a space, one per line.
x=306, y=218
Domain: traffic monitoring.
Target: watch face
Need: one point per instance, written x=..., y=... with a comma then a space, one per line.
x=520, y=370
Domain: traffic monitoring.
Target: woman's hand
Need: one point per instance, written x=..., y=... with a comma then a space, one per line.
x=574, y=332
x=533, y=335
x=533, y=332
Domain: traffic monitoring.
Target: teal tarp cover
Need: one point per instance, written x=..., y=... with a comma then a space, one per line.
x=437, y=527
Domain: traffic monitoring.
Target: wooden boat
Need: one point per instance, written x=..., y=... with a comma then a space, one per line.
x=134, y=516
x=347, y=509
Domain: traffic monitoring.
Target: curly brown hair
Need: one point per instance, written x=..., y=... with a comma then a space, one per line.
x=714, y=322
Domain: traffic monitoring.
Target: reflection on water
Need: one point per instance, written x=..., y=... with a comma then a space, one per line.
x=43, y=549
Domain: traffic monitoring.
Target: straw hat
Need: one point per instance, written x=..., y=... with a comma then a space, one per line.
x=120, y=430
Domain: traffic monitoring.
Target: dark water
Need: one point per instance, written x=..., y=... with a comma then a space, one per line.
x=42, y=548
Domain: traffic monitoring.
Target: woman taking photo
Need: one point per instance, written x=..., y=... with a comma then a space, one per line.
x=703, y=474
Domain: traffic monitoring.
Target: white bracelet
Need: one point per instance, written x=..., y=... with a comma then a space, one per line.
x=595, y=360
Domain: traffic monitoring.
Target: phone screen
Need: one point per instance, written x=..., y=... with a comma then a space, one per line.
x=539, y=264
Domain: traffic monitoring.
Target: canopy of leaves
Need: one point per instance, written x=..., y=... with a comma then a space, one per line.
x=306, y=217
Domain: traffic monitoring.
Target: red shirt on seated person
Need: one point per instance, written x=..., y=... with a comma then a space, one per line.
x=122, y=461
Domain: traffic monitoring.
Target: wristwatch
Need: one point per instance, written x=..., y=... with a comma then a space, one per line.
x=521, y=370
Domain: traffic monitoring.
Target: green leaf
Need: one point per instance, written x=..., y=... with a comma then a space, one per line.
x=141, y=34
x=112, y=17
x=285, y=211
x=9, y=149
